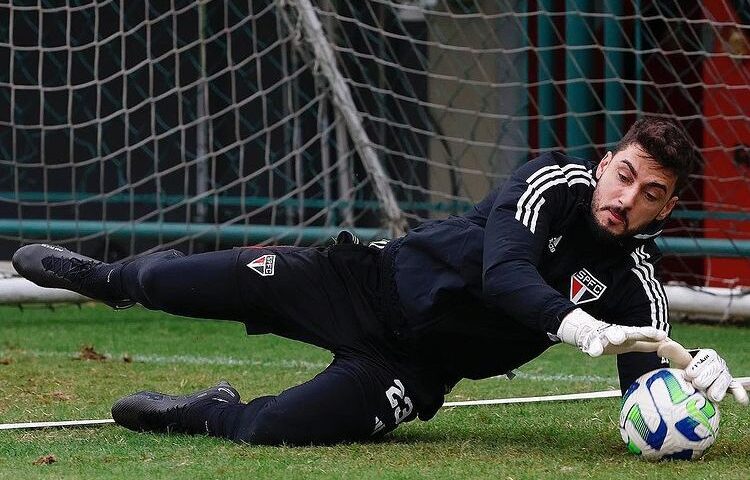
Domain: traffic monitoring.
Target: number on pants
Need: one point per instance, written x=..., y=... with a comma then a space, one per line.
x=400, y=403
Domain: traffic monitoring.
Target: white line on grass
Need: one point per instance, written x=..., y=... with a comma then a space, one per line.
x=548, y=398
x=744, y=381
x=545, y=398
x=189, y=360
x=562, y=377
x=66, y=423
x=286, y=363
x=292, y=364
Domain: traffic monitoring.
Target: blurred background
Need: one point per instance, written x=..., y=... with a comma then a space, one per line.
x=134, y=125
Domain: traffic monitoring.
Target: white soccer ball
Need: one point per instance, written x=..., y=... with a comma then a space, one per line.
x=665, y=417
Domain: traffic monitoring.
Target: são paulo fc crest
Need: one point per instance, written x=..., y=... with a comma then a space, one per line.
x=584, y=287
x=263, y=265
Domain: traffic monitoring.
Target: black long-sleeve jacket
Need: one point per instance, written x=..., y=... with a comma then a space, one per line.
x=481, y=293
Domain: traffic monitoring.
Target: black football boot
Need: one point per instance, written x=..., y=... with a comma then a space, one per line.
x=57, y=267
x=158, y=412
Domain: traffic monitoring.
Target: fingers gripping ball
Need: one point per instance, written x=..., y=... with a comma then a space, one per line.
x=709, y=373
x=665, y=417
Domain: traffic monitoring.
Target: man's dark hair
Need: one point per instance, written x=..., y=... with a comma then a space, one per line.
x=666, y=142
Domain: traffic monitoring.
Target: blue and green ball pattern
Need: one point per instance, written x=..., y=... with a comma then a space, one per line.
x=663, y=417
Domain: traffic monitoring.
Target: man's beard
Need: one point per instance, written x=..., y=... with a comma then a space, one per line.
x=603, y=235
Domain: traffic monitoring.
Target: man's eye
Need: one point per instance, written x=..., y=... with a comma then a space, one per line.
x=622, y=177
x=651, y=197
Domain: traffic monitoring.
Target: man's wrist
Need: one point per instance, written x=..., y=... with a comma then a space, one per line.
x=553, y=326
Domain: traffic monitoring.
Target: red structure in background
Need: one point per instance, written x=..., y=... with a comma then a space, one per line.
x=726, y=143
x=709, y=93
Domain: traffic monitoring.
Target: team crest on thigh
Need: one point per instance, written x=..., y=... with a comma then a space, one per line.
x=584, y=287
x=263, y=265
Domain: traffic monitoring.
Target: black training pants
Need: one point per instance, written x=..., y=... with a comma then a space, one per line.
x=325, y=297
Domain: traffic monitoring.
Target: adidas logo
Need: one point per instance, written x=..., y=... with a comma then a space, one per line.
x=379, y=425
x=553, y=243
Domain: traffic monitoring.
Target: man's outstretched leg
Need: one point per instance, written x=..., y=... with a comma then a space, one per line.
x=353, y=399
x=202, y=285
x=324, y=297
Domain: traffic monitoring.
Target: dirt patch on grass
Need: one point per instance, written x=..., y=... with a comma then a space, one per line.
x=45, y=460
x=58, y=395
x=6, y=361
x=87, y=352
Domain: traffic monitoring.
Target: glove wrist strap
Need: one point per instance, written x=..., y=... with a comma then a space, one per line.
x=574, y=326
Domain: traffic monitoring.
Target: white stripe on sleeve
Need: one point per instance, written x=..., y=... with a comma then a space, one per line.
x=644, y=271
x=531, y=201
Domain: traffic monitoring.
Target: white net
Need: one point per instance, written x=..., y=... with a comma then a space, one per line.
x=133, y=125
x=130, y=125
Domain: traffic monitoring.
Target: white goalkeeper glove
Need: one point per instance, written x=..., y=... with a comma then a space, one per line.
x=597, y=338
x=708, y=373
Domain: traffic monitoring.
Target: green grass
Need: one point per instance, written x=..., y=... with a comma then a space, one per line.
x=40, y=379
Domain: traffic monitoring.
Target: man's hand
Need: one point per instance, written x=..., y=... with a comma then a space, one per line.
x=597, y=338
x=708, y=373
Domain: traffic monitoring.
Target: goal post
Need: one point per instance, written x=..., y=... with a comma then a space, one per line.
x=128, y=126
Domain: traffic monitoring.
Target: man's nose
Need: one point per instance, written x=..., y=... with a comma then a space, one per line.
x=627, y=198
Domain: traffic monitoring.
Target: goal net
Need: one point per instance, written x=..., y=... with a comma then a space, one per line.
x=129, y=126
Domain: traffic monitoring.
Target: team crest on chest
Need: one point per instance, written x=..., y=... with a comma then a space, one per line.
x=584, y=287
x=263, y=265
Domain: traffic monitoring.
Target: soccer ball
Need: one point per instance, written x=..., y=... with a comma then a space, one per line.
x=665, y=417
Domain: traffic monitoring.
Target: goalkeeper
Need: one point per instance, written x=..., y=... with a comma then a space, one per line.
x=563, y=252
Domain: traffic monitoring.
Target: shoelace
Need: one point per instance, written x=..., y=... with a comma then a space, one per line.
x=72, y=269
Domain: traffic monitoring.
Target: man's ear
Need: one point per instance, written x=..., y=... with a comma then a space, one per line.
x=667, y=209
x=606, y=159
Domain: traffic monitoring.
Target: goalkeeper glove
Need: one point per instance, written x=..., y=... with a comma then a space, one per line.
x=597, y=338
x=708, y=373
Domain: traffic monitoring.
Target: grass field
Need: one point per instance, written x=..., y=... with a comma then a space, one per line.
x=42, y=379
